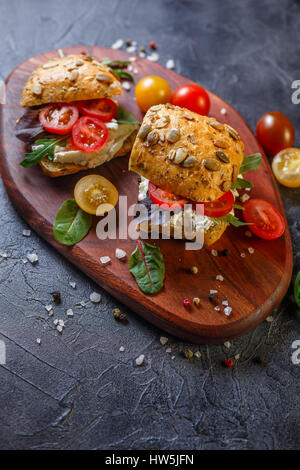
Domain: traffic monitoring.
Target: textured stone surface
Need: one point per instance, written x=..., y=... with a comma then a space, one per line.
x=77, y=390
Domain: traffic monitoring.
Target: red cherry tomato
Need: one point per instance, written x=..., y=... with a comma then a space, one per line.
x=103, y=109
x=161, y=197
x=192, y=97
x=219, y=207
x=58, y=118
x=266, y=220
x=275, y=132
x=89, y=134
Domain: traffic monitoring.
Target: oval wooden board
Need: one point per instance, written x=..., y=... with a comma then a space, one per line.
x=253, y=285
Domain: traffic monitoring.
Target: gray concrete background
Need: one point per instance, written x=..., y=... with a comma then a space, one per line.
x=76, y=390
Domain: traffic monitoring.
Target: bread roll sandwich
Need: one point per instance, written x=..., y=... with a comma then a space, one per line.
x=74, y=93
x=182, y=156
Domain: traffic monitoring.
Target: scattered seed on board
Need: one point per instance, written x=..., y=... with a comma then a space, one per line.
x=227, y=344
x=163, y=340
x=196, y=301
x=140, y=360
x=194, y=270
x=95, y=297
x=269, y=319
x=243, y=255
x=188, y=353
x=197, y=354
x=219, y=277
x=214, y=252
x=26, y=233
x=251, y=250
x=118, y=44
x=122, y=349
x=245, y=197
x=38, y=340
x=70, y=313
x=154, y=57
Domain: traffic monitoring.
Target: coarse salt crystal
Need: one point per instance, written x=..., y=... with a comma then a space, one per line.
x=26, y=233
x=32, y=258
x=122, y=349
x=135, y=71
x=170, y=64
x=219, y=277
x=142, y=55
x=223, y=111
x=132, y=59
x=217, y=308
x=153, y=57
x=70, y=313
x=251, y=250
x=129, y=68
x=214, y=252
x=227, y=344
x=168, y=350
x=227, y=311
x=82, y=303
x=213, y=291
x=72, y=284
x=197, y=354
x=126, y=86
x=105, y=259
x=95, y=297
x=50, y=313
x=61, y=322
x=48, y=308
x=59, y=328
x=120, y=254
x=139, y=360
x=244, y=197
x=225, y=302
x=118, y=44
x=3, y=254
x=173, y=357
x=131, y=49
x=55, y=321
x=163, y=340
x=237, y=356
x=38, y=340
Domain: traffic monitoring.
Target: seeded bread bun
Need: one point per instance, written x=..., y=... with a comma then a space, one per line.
x=55, y=169
x=70, y=78
x=190, y=155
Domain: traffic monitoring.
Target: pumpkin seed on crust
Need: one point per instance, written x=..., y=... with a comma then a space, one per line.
x=189, y=162
x=222, y=156
x=144, y=130
x=173, y=135
x=211, y=164
x=180, y=155
x=152, y=137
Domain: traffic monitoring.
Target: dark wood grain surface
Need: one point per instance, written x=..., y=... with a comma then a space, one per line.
x=253, y=285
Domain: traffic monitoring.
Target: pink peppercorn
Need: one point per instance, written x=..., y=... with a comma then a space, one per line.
x=187, y=302
x=152, y=44
x=229, y=362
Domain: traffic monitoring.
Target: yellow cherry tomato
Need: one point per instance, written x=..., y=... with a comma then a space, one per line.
x=94, y=194
x=286, y=167
x=152, y=90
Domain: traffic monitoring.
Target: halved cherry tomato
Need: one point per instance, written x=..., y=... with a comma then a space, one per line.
x=89, y=134
x=219, y=207
x=58, y=118
x=164, y=198
x=103, y=109
x=95, y=194
x=266, y=221
x=286, y=167
x=192, y=97
x=275, y=132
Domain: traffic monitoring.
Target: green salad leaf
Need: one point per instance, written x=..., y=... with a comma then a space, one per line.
x=250, y=162
x=71, y=223
x=117, y=66
x=45, y=147
x=230, y=219
x=241, y=183
x=297, y=289
x=125, y=117
x=147, y=265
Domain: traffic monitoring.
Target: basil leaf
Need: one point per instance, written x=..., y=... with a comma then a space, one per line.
x=125, y=117
x=119, y=64
x=230, y=219
x=46, y=146
x=71, y=223
x=236, y=206
x=121, y=74
x=250, y=162
x=241, y=183
x=297, y=289
x=147, y=265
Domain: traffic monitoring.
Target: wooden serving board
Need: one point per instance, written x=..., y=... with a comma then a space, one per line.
x=253, y=285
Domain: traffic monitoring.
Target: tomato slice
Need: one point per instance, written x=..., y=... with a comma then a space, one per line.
x=103, y=109
x=89, y=134
x=59, y=118
x=164, y=198
x=219, y=207
x=95, y=194
x=267, y=222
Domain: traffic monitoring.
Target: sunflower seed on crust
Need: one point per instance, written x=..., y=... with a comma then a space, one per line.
x=226, y=185
x=216, y=125
x=180, y=155
x=152, y=137
x=144, y=130
x=189, y=162
x=74, y=75
x=211, y=164
x=173, y=135
x=220, y=143
x=164, y=121
x=101, y=77
x=222, y=156
x=37, y=89
x=232, y=132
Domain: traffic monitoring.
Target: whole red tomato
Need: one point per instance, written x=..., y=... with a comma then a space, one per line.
x=192, y=97
x=275, y=132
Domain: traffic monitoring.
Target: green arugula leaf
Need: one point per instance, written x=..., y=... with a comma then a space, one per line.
x=121, y=74
x=236, y=206
x=230, y=219
x=125, y=117
x=297, y=289
x=71, y=223
x=147, y=265
x=46, y=146
x=241, y=183
x=119, y=64
x=250, y=162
